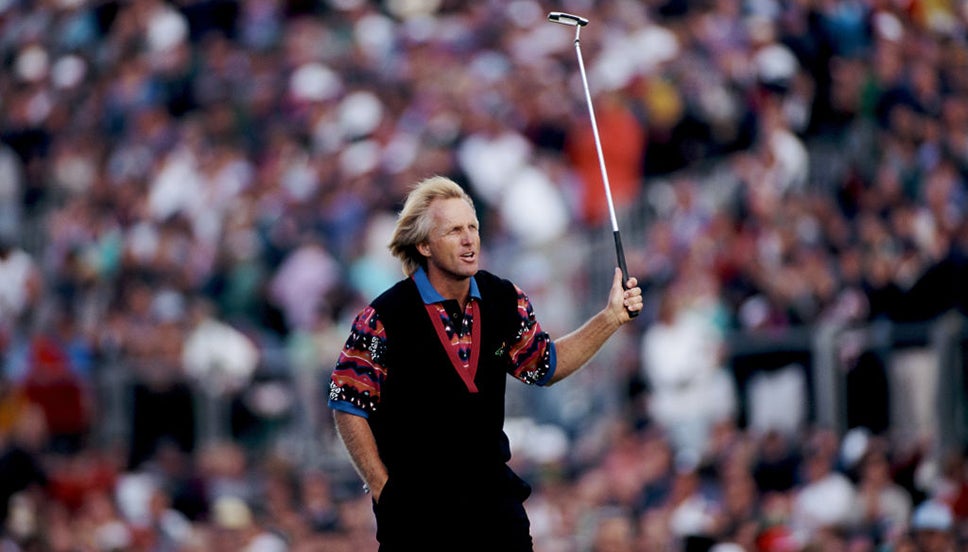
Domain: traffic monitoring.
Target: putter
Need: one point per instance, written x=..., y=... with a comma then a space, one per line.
x=578, y=22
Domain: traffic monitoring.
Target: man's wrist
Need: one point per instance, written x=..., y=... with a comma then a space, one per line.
x=611, y=321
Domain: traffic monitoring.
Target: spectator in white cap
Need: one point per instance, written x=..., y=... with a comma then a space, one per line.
x=932, y=527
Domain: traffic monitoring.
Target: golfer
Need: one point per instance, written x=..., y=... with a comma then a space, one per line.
x=418, y=390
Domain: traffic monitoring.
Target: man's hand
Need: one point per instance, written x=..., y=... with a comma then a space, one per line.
x=622, y=300
x=576, y=348
x=358, y=439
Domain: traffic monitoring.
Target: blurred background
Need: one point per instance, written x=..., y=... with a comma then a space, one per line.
x=195, y=201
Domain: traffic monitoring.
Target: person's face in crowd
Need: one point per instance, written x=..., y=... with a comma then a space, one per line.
x=816, y=465
x=876, y=470
x=933, y=540
x=453, y=248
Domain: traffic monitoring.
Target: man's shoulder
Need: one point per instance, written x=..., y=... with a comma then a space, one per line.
x=488, y=278
x=491, y=284
x=394, y=294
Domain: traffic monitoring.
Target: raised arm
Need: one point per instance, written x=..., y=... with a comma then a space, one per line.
x=578, y=347
x=358, y=439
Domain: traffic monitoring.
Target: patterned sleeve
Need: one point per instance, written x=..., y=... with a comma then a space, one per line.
x=358, y=376
x=532, y=352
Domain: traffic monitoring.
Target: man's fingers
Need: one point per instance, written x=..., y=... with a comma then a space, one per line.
x=631, y=293
x=617, y=277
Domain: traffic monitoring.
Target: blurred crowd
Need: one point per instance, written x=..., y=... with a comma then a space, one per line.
x=195, y=197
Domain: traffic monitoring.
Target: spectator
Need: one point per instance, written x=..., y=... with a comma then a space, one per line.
x=65, y=401
x=217, y=356
x=623, y=146
x=681, y=358
x=882, y=507
x=302, y=282
x=933, y=527
x=12, y=406
x=21, y=469
x=237, y=529
x=825, y=498
x=614, y=533
x=20, y=288
x=11, y=192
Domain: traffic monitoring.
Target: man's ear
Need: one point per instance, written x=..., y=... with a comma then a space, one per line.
x=424, y=249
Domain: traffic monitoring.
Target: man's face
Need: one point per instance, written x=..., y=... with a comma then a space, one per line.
x=933, y=540
x=454, y=246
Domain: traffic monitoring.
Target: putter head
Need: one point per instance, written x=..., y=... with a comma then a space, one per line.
x=571, y=20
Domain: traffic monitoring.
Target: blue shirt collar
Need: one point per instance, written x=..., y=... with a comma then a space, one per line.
x=430, y=295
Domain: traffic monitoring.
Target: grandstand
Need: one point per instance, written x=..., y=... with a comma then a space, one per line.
x=196, y=195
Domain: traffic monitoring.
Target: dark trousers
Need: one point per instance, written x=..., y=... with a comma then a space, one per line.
x=476, y=518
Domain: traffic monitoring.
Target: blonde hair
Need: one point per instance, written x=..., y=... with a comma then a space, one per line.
x=414, y=223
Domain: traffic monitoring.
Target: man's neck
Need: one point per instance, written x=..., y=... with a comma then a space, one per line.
x=450, y=288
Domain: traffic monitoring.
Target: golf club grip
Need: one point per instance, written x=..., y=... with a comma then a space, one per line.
x=620, y=253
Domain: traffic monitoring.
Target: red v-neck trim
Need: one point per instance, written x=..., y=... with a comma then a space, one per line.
x=466, y=374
